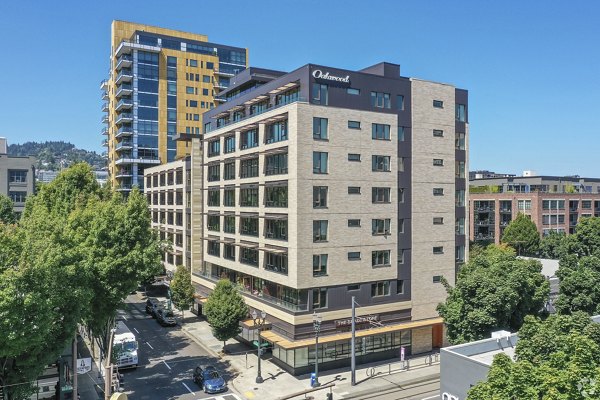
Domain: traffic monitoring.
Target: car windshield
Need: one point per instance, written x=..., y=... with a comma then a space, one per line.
x=210, y=374
x=169, y=314
x=126, y=347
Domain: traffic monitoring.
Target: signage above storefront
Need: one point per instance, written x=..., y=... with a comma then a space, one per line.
x=326, y=76
x=366, y=319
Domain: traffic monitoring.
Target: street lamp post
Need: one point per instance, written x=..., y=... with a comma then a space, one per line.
x=317, y=327
x=169, y=278
x=258, y=321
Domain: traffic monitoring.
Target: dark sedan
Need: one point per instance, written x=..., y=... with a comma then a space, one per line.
x=209, y=379
x=165, y=317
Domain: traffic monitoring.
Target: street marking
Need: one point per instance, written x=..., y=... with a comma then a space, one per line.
x=124, y=317
x=186, y=386
x=149, y=345
x=166, y=364
x=249, y=395
x=431, y=397
x=136, y=330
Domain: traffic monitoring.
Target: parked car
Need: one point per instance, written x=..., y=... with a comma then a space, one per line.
x=165, y=317
x=152, y=304
x=209, y=379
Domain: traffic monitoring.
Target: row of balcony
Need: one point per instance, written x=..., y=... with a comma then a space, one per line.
x=124, y=61
x=125, y=75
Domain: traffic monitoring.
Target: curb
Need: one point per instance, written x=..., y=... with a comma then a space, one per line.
x=382, y=388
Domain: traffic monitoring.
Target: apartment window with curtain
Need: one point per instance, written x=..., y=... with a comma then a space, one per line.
x=320, y=231
x=320, y=162
x=380, y=289
x=460, y=169
x=380, y=131
x=320, y=196
x=380, y=258
x=320, y=128
x=276, y=196
x=461, y=112
x=381, y=195
x=320, y=94
x=460, y=141
x=320, y=264
x=380, y=100
x=381, y=226
x=381, y=163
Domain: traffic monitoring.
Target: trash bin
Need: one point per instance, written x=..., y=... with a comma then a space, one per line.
x=313, y=378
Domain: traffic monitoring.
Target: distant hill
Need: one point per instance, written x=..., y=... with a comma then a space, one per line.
x=54, y=155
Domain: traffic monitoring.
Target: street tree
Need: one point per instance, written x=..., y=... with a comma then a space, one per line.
x=494, y=290
x=225, y=308
x=522, y=234
x=182, y=290
x=555, y=359
x=7, y=215
x=552, y=245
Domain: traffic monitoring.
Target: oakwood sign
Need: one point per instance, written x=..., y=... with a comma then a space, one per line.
x=359, y=320
x=318, y=74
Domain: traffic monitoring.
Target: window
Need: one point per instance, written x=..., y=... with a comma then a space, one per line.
x=380, y=258
x=401, y=256
x=524, y=204
x=214, y=197
x=380, y=289
x=276, y=229
x=354, y=124
x=438, y=220
x=586, y=204
x=459, y=169
x=438, y=250
x=460, y=226
x=438, y=133
x=229, y=224
x=229, y=251
x=214, y=172
x=320, y=231
x=437, y=278
x=438, y=162
x=319, y=196
x=249, y=256
x=276, y=132
x=319, y=264
x=353, y=189
x=553, y=204
x=320, y=162
x=249, y=168
x=193, y=103
x=17, y=196
x=460, y=198
x=400, y=195
x=353, y=157
x=353, y=255
x=381, y=195
x=380, y=226
x=206, y=78
x=460, y=141
x=319, y=298
x=204, y=92
x=276, y=164
x=193, y=63
x=459, y=253
x=354, y=223
x=438, y=191
x=400, y=102
x=400, y=225
x=214, y=223
x=210, y=65
x=400, y=286
x=171, y=61
x=229, y=170
x=249, y=226
x=229, y=144
x=461, y=112
x=214, y=148
x=214, y=248
x=249, y=139
x=320, y=128
x=276, y=263
x=380, y=100
x=381, y=163
x=380, y=131
x=276, y=196
x=229, y=197
x=249, y=196
x=17, y=176
x=353, y=91
x=353, y=287
x=438, y=104
x=189, y=89
x=320, y=94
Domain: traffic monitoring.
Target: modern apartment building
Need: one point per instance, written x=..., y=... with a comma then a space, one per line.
x=160, y=82
x=17, y=177
x=554, y=203
x=323, y=184
x=167, y=188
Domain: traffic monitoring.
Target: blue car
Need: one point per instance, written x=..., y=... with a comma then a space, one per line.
x=209, y=379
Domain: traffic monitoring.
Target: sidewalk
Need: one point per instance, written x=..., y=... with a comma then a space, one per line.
x=278, y=383
x=87, y=383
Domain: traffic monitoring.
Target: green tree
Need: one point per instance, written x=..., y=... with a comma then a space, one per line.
x=522, y=234
x=7, y=215
x=494, y=290
x=182, y=290
x=555, y=359
x=553, y=245
x=225, y=308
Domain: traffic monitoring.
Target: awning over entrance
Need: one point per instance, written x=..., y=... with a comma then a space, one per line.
x=287, y=344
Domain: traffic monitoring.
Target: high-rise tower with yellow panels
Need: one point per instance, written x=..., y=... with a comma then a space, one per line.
x=160, y=83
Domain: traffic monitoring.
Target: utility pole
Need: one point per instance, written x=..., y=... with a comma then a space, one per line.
x=353, y=346
x=108, y=367
x=74, y=361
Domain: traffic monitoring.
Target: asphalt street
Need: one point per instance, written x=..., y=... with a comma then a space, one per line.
x=167, y=358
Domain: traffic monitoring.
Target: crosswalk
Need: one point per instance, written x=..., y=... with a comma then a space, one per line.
x=131, y=312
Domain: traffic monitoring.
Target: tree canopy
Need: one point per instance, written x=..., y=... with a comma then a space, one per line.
x=77, y=252
x=556, y=359
x=182, y=290
x=7, y=214
x=552, y=245
x=522, y=234
x=494, y=290
x=225, y=308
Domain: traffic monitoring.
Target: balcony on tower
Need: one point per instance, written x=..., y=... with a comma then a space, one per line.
x=104, y=84
x=124, y=89
x=104, y=119
x=124, y=61
x=104, y=131
x=123, y=118
x=125, y=75
x=124, y=104
x=125, y=130
x=104, y=107
x=124, y=145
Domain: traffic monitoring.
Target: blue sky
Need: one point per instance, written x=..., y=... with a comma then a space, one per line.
x=532, y=68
